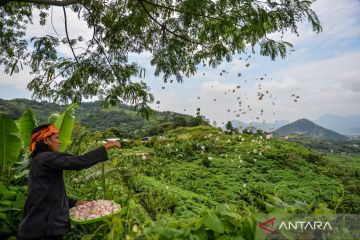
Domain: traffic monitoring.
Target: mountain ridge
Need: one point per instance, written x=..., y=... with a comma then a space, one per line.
x=346, y=125
x=308, y=128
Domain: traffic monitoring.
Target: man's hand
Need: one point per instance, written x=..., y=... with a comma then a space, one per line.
x=80, y=202
x=112, y=144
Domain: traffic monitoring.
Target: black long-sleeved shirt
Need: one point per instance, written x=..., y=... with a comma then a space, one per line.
x=46, y=211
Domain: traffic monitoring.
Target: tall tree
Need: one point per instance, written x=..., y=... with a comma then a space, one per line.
x=179, y=35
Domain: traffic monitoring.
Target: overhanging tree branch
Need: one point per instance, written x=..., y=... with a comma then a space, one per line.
x=67, y=36
x=163, y=25
x=52, y=24
x=102, y=49
x=175, y=9
x=198, y=30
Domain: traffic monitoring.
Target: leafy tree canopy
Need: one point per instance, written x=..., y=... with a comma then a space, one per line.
x=179, y=35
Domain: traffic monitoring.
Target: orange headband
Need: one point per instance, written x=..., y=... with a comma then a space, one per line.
x=40, y=135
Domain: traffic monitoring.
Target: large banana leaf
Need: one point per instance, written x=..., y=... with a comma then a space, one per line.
x=53, y=117
x=65, y=124
x=10, y=144
x=26, y=124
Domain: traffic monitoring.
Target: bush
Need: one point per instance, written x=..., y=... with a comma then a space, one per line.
x=206, y=162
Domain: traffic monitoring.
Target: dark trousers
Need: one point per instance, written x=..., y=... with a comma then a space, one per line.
x=60, y=237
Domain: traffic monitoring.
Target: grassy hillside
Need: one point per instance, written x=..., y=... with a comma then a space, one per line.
x=170, y=181
x=200, y=183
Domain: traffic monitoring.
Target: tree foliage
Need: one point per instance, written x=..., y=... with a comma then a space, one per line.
x=179, y=35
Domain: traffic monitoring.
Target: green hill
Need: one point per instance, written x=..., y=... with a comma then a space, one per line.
x=305, y=127
x=191, y=182
x=171, y=180
x=121, y=119
x=198, y=167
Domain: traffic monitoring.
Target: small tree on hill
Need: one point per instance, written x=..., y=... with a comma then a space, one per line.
x=229, y=127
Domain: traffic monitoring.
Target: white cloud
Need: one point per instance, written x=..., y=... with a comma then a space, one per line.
x=324, y=86
x=17, y=80
x=285, y=85
x=350, y=80
x=339, y=20
x=323, y=70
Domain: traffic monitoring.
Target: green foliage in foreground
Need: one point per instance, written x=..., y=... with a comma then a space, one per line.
x=199, y=183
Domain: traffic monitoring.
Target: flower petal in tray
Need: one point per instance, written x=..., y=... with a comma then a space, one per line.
x=94, y=211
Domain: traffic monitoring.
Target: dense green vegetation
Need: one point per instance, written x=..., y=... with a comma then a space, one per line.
x=351, y=146
x=120, y=119
x=171, y=181
x=190, y=182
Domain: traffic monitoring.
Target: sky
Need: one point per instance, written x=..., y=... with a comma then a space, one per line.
x=322, y=74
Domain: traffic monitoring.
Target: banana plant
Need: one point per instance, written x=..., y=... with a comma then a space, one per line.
x=65, y=123
x=52, y=118
x=26, y=124
x=15, y=138
x=10, y=145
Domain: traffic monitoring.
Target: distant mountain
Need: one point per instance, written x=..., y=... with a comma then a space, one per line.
x=268, y=127
x=348, y=125
x=307, y=128
x=345, y=125
x=237, y=123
